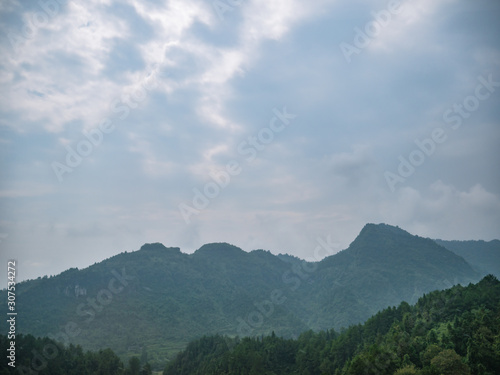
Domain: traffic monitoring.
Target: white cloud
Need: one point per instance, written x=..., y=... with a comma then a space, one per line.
x=153, y=165
x=59, y=70
x=408, y=27
x=218, y=81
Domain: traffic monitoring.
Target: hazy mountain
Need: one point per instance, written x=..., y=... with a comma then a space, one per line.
x=481, y=255
x=455, y=331
x=383, y=266
x=157, y=299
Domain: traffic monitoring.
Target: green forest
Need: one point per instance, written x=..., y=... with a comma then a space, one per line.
x=44, y=356
x=157, y=302
x=451, y=332
x=160, y=299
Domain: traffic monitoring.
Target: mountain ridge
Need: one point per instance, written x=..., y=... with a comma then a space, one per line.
x=221, y=288
x=431, y=337
x=484, y=256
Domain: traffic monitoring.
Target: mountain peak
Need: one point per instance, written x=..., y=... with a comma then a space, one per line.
x=381, y=234
x=219, y=249
x=383, y=228
x=157, y=246
x=220, y=288
x=386, y=244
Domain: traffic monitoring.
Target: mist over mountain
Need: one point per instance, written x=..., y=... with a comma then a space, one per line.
x=455, y=331
x=157, y=299
x=484, y=256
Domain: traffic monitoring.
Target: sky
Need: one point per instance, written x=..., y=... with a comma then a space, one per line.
x=265, y=124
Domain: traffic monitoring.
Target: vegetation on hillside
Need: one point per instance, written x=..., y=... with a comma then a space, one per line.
x=484, y=256
x=154, y=301
x=451, y=332
x=44, y=356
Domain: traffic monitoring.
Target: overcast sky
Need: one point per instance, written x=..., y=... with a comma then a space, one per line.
x=265, y=124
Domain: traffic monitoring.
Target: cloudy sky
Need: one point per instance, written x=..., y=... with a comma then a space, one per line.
x=265, y=124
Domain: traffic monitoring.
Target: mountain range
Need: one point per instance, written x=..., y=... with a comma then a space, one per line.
x=451, y=332
x=484, y=256
x=153, y=301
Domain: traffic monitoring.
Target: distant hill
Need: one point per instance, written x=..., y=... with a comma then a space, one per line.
x=455, y=332
x=481, y=255
x=151, y=302
x=383, y=266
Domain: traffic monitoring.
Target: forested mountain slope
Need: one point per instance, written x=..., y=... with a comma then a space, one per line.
x=157, y=299
x=484, y=256
x=451, y=332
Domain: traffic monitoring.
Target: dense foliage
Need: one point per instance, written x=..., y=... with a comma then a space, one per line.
x=482, y=255
x=44, y=356
x=451, y=332
x=153, y=301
